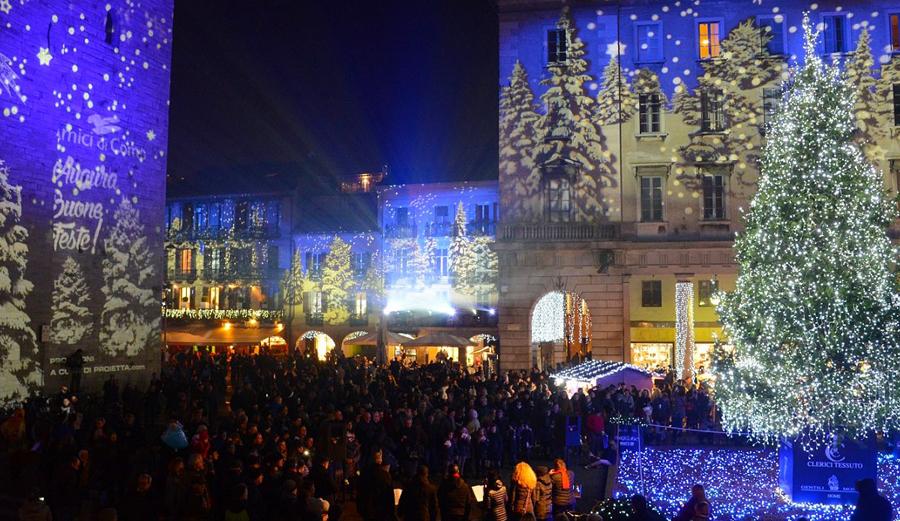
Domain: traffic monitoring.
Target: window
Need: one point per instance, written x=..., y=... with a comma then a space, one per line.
x=213, y=260
x=708, y=39
x=651, y=293
x=559, y=200
x=359, y=304
x=401, y=216
x=404, y=258
x=651, y=198
x=557, y=46
x=897, y=104
x=185, y=260
x=771, y=104
x=215, y=217
x=707, y=288
x=771, y=33
x=482, y=213
x=212, y=297
x=359, y=263
x=894, y=29
x=314, y=302
x=187, y=297
x=712, y=113
x=649, y=41
x=187, y=217
x=648, y=112
x=714, y=197
x=441, y=214
x=441, y=262
x=273, y=257
x=314, y=263
x=242, y=215
x=835, y=33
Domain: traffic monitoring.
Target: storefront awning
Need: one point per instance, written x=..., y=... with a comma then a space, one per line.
x=219, y=335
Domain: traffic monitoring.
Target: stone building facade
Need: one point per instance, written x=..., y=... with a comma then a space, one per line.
x=629, y=139
x=84, y=89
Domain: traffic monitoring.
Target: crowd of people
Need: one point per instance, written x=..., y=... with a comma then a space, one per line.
x=295, y=437
x=242, y=438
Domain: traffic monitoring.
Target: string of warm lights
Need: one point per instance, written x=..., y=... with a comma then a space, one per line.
x=684, y=328
x=590, y=371
x=224, y=314
x=815, y=316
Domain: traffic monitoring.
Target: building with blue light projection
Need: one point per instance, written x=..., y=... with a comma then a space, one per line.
x=315, y=271
x=630, y=133
x=84, y=90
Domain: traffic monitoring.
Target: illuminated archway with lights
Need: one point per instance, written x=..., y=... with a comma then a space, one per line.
x=320, y=342
x=562, y=317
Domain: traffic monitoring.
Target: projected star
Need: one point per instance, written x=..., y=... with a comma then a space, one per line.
x=44, y=56
x=151, y=135
x=615, y=48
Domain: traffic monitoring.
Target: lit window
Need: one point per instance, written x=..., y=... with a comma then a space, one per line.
x=835, y=33
x=894, y=28
x=708, y=40
x=557, y=46
x=359, y=305
x=441, y=262
x=771, y=29
x=712, y=113
x=651, y=293
x=649, y=113
x=649, y=41
x=714, y=197
x=651, y=198
x=187, y=297
x=186, y=261
x=706, y=290
x=559, y=200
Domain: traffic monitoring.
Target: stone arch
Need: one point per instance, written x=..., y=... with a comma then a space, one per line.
x=316, y=342
x=559, y=327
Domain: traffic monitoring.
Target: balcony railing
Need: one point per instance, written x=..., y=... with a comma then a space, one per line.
x=401, y=231
x=195, y=234
x=224, y=275
x=482, y=228
x=559, y=232
x=439, y=229
x=358, y=320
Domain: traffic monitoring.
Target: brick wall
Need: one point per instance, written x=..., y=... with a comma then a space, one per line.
x=84, y=90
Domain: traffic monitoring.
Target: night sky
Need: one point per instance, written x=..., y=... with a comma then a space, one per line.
x=312, y=90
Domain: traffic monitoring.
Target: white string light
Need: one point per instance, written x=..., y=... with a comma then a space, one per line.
x=684, y=328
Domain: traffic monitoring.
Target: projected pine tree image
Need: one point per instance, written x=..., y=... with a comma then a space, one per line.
x=815, y=316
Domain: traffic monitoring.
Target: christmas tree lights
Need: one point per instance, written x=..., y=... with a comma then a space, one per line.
x=815, y=315
x=684, y=329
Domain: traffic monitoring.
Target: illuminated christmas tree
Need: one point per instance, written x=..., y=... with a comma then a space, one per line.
x=337, y=280
x=616, y=101
x=19, y=372
x=459, y=255
x=130, y=315
x=71, y=320
x=858, y=74
x=568, y=130
x=517, y=138
x=815, y=316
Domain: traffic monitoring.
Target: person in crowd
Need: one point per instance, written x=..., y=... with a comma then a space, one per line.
x=641, y=511
x=419, y=500
x=543, y=494
x=871, y=506
x=457, y=501
x=34, y=508
x=563, y=492
x=690, y=508
x=140, y=503
x=524, y=483
x=495, y=498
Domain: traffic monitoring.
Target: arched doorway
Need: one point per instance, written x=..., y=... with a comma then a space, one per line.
x=560, y=328
x=274, y=345
x=315, y=342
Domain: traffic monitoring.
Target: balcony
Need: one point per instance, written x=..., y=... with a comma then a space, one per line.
x=223, y=314
x=401, y=231
x=439, y=229
x=482, y=229
x=559, y=232
x=258, y=232
x=216, y=233
x=182, y=275
x=315, y=319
